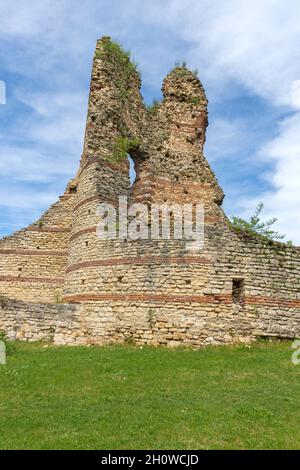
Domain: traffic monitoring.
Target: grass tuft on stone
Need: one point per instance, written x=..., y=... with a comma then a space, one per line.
x=123, y=146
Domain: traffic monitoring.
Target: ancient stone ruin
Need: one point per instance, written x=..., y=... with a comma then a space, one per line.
x=59, y=281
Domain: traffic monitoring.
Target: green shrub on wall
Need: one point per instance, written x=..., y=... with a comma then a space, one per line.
x=122, y=147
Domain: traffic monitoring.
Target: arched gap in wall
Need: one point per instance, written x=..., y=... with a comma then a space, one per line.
x=132, y=172
x=136, y=157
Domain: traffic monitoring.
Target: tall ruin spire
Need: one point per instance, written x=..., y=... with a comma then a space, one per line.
x=174, y=168
x=165, y=142
x=115, y=104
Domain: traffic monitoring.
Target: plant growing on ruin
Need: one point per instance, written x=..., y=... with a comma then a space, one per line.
x=181, y=69
x=150, y=316
x=124, y=66
x=2, y=336
x=118, y=54
x=58, y=298
x=122, y=147
x=195, y=100
x=180, y=65
x=153, y=107
x=255, y=226
x=3, y=301
x=128, y=338
x=10, y=347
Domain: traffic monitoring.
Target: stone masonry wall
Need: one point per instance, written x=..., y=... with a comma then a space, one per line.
x=33, y=260
x=238, y=287
x=29, y=321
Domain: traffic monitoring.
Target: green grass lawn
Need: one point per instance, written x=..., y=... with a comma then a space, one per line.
x=125, y=397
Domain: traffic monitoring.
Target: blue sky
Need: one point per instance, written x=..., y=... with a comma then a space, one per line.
x=247, y=55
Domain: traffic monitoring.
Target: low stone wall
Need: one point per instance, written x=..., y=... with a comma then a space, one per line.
x=28, y=321
x=219, y=321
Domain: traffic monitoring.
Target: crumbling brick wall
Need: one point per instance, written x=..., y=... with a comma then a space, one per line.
x=150, y=291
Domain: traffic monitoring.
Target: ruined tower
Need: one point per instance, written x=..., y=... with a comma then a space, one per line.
x=59, y=279
x=167, y=149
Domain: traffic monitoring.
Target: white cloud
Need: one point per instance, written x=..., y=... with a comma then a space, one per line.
x=254, y=42
x=225, y=138
x=295, y=98
x=55, y=131
x=283, y=202
x=21, y=164
x=21, y=18
x=2, y=92
x=59, y=119
x=30, y=198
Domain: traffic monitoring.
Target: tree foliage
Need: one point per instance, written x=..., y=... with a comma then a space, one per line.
x=256, y=226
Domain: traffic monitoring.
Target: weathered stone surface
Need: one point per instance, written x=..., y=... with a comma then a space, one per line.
x=145, y=291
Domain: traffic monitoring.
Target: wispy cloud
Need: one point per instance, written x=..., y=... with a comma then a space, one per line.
x=283, y=200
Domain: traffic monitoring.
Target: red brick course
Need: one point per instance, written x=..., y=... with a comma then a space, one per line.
x=207, y=299
x=46, y=280
x=37, y=252
x=103, y=162
x=139, y=261
x=82, y=232
x=47, y=228
x=150, y=297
